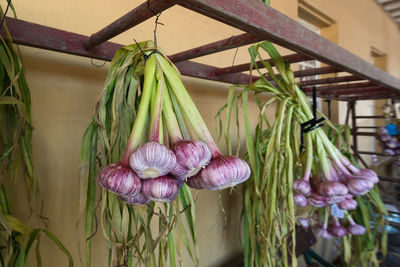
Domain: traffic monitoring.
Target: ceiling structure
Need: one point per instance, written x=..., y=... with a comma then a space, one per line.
x=358, y=78
x=392, y=7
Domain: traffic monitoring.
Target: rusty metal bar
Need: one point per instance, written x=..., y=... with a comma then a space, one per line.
x=365, y=97
x=373, y=153
x=392, y=180
x=293, y=58
x=332, y=80
x=354, y=126
x=366, y=90
x=316, y=71
x=339, y=86
x=371, y=117
x=203, y=71
x=222, y=45
x=259, y=19
x=39, y=36
x=365, y=134
x=136, y=16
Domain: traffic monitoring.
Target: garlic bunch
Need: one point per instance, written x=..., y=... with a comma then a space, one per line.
x=155, y=165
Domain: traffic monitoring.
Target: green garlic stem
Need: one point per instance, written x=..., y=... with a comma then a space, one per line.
x=138, y=128
x=187, y=105
x=170, y=119
x=156, y=108
x=322, y=158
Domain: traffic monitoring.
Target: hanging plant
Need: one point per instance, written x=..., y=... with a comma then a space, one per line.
x=144, y=145
x=16, y=237
x=320, y=177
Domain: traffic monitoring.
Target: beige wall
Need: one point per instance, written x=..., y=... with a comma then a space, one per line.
x=65, y=89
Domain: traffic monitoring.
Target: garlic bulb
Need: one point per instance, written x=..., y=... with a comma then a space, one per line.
x=300, y=200
x=323, y=233
x=191, y=157
x=221, y=173
x=119, y=180
x=152, y=160
x=138, y=199
x=348, y=204
x=337, y=229
x=359, y=186
x=163, y=189
x=330, y=188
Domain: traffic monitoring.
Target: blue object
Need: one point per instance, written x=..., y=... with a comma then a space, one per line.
x=392, y=129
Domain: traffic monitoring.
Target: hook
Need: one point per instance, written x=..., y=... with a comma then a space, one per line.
x=312, y=124
x=156, y=23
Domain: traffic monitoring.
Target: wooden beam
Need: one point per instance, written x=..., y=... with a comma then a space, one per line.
x=259, y=19
x=391, y=6
x=293, y=58
x=350, y=78
x=344, y=86
x=39, y=36
x=222, y=45
x=134, y=17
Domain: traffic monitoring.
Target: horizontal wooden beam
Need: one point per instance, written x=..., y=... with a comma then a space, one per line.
x=366, y=97
x=259, y=19
x=369, y=90
x=204, y=71
x=339, y=86
x=218, y=46
x=350, y=78
x=293, y=58
x=39, y=36
x=136, y=16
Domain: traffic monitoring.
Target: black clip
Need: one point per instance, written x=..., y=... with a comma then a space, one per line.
x=312, y=124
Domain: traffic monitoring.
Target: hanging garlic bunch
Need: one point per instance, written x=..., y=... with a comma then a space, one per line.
x=319, y=176
x=151, y=168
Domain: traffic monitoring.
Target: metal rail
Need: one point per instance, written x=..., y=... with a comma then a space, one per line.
x=142, y=13
x=215, y=47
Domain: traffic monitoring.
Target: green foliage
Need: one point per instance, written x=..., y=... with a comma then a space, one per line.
x=16, y=237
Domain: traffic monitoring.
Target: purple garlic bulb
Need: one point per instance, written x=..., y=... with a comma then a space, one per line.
x=368, y=174
x=302, y=187
x=337, y=229
x=335, y=199
x=323, y=232
x=317, y=200
x=304, y=222
x=382, y=131
x=348, y=204
x=162, y=189
x=221, y=173
x=355, y=229
x=389, y=151
x=359, y=186
x=392, y=144
x=191, y=157
x=152, y=160
x=300, y=200
x=197, y=182
x=384, y=137
x=138, y=199
x=119, y=180
x=329, y=189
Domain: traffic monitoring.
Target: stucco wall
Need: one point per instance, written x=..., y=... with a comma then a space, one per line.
x=65, y=89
